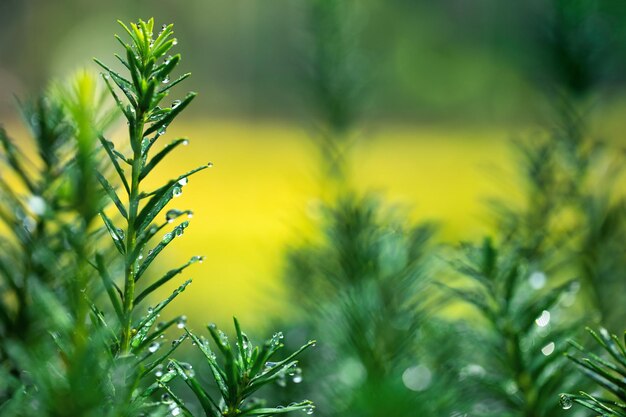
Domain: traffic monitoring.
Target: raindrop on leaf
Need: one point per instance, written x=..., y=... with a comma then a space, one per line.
x=565, y=401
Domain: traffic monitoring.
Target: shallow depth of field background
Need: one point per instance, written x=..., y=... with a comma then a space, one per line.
x=449, y=86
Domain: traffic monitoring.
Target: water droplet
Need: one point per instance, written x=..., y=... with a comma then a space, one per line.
x=510, y=387
x=179, y=232
x=472, y=370
x=176, y=411
x=150, y=252
x=276, y=338
x=210, y=165
x=107, y=76
x=172, y=214
x=167, y=238
x=197, y=259
x=544, y=319
x=537, y=280
x=166, y=79
x=166, y=398
x=37, y=205
x=158, y=371
x=175, y=104
x=185, y=142
x=417, y=378
x=223, y=337
x=297, y=376
x=565, y=401
x=120, y=233
x=183, y=181
x=150, y=310
x=181, y=322
x=140, y=257
x=174, y=42
x=189, y=214
x=154, y=346
x=308, y=410
x=188, y=369
x=161, y=131
x=548, y=349
x=281, y=380
x=176, y=192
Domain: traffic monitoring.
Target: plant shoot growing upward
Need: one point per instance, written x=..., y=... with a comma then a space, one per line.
x=143, y=91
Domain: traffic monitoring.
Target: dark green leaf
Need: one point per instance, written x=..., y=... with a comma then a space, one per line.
x=112, y=194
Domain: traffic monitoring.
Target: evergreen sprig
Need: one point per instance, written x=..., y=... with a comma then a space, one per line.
x=246, y=369
x=144, y=87
x=608, y=373
x=523, y=341
x=368, y=280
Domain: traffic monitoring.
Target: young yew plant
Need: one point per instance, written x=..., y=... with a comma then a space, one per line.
x=143, y=90
x=77, y=340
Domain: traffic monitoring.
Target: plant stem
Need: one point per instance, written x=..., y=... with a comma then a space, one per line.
x=136, y=133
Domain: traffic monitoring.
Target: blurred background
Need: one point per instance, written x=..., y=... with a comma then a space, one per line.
x=440, y=89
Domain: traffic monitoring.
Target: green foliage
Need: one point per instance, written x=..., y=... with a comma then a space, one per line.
x=367, y=280
x=55, y=354
x=372, y=274
x=522, y=341
x=572, y=218
x=143, y=90
x=246, y=369
x=367, y=270
x=74, y=341
x=607, y=372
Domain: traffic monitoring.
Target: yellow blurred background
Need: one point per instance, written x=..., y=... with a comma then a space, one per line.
x=261, y=195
